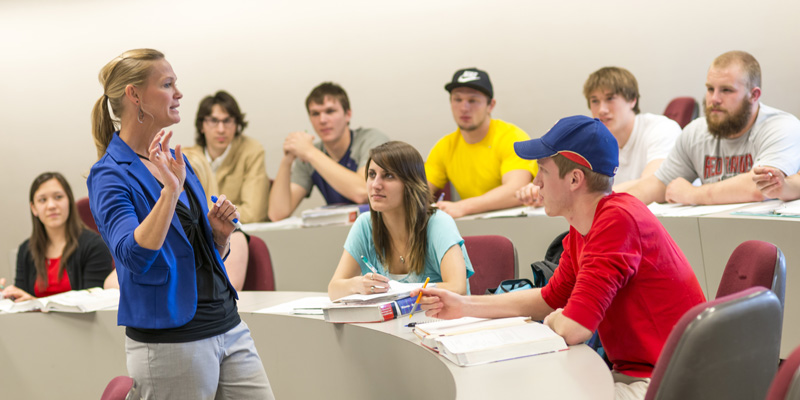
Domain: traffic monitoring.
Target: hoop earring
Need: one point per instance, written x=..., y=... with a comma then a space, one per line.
x=140, y=116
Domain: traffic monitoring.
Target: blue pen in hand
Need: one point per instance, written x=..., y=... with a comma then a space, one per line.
x=369, y=265
x=235, y=221
x=441, y=197
x=371, y=268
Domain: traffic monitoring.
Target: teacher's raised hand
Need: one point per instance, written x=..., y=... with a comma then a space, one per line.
x=172, y=169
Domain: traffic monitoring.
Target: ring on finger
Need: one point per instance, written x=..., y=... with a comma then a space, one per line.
x=372, y=289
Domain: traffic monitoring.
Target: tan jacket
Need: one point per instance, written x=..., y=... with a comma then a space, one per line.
x=242, y=177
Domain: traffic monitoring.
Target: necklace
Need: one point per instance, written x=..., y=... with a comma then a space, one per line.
x=142, y=157
x=402, y=260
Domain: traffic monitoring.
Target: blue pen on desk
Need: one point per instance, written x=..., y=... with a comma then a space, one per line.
x=235, y=221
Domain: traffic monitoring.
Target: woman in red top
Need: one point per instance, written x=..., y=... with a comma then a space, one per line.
x=61, y=254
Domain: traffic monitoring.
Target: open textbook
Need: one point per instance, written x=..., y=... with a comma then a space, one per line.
x=428, y=333
x=75, y=301
x=473, y=341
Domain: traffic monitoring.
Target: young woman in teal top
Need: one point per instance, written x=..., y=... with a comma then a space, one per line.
x=402, y=236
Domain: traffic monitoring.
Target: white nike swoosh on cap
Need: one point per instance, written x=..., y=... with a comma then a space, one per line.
x=468, y=76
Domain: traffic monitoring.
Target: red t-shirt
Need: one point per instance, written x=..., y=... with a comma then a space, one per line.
x=628, y=280
x=55, y=283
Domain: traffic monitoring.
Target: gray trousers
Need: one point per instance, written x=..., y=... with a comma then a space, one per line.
x=225, y=366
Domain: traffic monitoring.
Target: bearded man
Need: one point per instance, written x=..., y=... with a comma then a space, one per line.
x=721, y=149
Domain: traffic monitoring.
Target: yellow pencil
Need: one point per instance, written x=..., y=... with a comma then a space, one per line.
x=419, y=297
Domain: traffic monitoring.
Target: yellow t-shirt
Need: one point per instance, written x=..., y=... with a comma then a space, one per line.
x=475, y=169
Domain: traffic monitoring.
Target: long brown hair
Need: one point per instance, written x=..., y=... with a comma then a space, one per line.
x=37, y=244
x=131, y=68
x=405, y=163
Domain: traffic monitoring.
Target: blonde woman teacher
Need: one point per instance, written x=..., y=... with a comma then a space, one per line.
x=185, y=339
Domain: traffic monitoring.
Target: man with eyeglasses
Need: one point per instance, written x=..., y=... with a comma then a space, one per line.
x=228, y=162
x=478, y=158
x=335, y=164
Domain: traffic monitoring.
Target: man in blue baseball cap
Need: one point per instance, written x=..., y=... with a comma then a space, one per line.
x=620, y=274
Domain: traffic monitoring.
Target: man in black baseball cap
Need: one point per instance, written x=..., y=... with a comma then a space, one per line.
x=471, y=78
x=478, y=159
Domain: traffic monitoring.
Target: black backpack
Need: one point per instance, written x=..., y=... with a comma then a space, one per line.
x=543, y=270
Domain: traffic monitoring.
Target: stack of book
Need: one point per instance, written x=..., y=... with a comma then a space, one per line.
x=369, y=312
x=377, y=307
x=473, y=341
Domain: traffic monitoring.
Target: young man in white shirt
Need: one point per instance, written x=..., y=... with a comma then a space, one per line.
x=645, y=140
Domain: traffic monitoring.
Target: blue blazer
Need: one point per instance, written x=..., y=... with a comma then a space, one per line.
x=158, y=288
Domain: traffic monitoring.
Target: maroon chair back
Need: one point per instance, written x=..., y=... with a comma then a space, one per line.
x=86, y=213
x=754, y=263
x=727, y=348
x=494, y=259
x=121, y=388
x=259, y=267
x=682, y=110
x=786, y=385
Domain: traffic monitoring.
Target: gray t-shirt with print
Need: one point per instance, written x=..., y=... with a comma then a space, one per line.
x=774, y=140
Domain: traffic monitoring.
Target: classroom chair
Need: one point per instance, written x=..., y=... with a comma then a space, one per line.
x=755, y=263
x=121, y=388
x=494, y=259
x=86, y=214
x=682, y=110
x=727, y=348
x=786, y=385
x=259, y=267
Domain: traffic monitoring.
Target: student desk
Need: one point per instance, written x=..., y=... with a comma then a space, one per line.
x=74, y=356
x=385, y=360
x=305, y=258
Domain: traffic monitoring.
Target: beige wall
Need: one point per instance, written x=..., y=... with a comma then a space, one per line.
x=392, y=57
